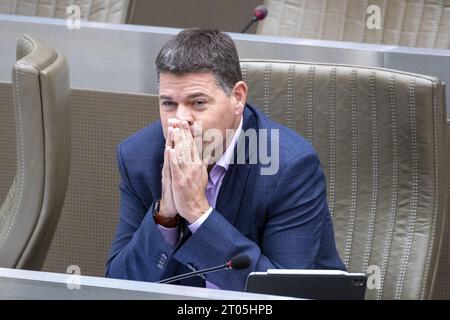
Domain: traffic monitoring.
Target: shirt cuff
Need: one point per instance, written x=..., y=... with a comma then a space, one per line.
x=194, y=226
x=169, y=234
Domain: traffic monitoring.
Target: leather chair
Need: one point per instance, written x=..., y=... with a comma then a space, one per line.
x=30, y=212
x=114, y=11
x=381, y=137
x=411, y=23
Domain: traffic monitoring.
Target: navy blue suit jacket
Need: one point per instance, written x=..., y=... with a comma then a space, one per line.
x=279, y=221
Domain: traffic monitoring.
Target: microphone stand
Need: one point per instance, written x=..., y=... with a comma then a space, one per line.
x=191, y=274
x=249, y=24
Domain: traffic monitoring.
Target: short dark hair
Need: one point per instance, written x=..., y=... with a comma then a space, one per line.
x=201, y=50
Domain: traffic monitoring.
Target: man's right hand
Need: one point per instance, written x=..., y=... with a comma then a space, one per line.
x=167, y=206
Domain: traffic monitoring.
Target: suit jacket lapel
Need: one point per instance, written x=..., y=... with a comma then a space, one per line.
x=233, y=185
x=232, y=191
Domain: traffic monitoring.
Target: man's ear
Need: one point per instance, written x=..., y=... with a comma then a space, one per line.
x=239, y=95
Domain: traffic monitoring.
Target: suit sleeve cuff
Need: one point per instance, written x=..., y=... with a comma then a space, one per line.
x=194, y=226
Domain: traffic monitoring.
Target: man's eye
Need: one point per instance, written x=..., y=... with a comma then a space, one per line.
x=168, y=104
x=199, y=103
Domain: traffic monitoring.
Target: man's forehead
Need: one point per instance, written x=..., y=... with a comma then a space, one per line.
x=189, y=85
x=197, y=75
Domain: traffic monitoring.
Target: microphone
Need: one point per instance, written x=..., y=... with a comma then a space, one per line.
x=259, y=13
x=237, y=263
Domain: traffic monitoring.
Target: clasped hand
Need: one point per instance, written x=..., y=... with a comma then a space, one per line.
x=184, y=174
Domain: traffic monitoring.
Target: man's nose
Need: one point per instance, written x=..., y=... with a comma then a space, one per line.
x=184, y=114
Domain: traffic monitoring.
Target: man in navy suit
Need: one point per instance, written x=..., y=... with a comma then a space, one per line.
x=186, y=205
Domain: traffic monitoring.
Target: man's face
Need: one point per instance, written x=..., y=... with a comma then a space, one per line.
x=198, y=99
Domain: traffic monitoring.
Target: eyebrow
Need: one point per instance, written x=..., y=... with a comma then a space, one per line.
x=191, y=96
x=196, y=95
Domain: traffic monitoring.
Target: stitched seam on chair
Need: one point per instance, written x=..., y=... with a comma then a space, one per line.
x=402, y=24
x=36, y=3
x=267, y=70
x=54, y=8
x=344, y=20
x=290, y=96
x=309, y=104
x=322, y=19
x=383, y=21
x=394, y=199
x=244, y=69
x=108, y=11
x=438, y=24
x=14, y=7
x=422, y=12
x=89, y=9
x=72, y=2
x=414, y=186
x=364, y=26
x=22, y=161
x=280, y=19
x=354, y=171
x=374, y=191
x=332, y=126
x=300, y=24
x=436, y=191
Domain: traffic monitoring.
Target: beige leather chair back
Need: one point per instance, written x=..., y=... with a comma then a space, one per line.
x=443, y=277
x=114, y=11
x=412, y=23
x=380, y=135
x=31, y=210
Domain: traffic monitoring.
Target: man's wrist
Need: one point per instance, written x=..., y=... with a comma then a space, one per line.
x=162, y=219
x=197, y=223
x=197, y=212
x=167, y=222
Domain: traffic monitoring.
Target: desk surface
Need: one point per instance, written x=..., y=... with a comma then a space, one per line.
x=25, y=284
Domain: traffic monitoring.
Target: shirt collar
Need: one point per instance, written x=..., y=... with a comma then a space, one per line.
x=224, y=160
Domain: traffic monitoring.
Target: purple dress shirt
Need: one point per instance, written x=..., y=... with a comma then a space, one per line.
x=212, y=191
